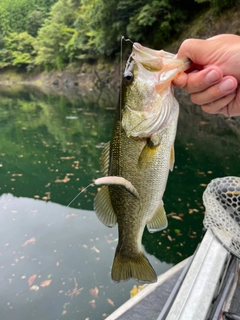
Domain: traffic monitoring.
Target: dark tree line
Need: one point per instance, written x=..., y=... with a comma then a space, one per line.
x=50, y=34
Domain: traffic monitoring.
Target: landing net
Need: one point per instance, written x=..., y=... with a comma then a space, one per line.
x=222, y=202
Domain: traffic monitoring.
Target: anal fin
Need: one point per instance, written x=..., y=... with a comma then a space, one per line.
x=159, y=220
x=104, y=209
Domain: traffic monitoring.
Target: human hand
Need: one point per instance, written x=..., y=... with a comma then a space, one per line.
x=213, y=81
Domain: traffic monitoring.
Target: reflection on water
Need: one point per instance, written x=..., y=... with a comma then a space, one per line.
x=56, y=260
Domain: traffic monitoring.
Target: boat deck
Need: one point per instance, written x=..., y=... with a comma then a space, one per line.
x=204, y=287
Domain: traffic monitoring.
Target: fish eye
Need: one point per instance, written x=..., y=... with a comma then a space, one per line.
x=128, y=77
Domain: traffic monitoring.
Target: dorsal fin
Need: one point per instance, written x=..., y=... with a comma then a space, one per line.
x=104, y=209
x=105, y=158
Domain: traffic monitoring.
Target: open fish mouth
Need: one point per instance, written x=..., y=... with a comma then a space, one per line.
x=148, y=74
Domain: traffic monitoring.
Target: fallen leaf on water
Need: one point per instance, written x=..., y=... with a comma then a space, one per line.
x=93, y=304
x=190, y=211
x=203, y=184
x=31, y=240
x=94, y=292
x=67, y=158
x=65, y=180
x=134, y=291
x=177, y=218
x=111, y=302
x=69, y=215
x=45, y=283
x=177, y=230
x=34, y=288
x=95, y=249
x=31, y=279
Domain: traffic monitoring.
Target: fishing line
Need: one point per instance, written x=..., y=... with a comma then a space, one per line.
x=120, y=77
x=84, y=189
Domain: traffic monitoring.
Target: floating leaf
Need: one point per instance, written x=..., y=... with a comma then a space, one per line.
x=95, y=249
x=70, y=215
x=111, y=302
x=177, y=218
x=134, y=291
x=34, y=288
x=31, y=240
x=67, y=158
x=177, y=230
x=31, y=279
x=94, y=292
x=45, y=283
x=203, y=184
x=93, y=304
x=65, y=180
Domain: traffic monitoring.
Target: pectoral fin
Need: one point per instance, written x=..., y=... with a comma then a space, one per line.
x=158, y=221
x=172, y=159
x=120, y=181
x=104, y=209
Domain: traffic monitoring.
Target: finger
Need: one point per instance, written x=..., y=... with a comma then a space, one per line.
x=181, y=80
x=232, y=109
x=201, y=80
x=219, y=105
x=226, y=86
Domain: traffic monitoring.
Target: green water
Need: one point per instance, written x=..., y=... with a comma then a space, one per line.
x=49, y=151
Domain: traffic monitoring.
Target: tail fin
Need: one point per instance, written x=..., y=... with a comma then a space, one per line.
x=138, y=268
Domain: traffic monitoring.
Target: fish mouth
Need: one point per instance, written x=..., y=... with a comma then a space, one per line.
x=158, y=60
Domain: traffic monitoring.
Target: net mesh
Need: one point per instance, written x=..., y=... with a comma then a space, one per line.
x=222, y=202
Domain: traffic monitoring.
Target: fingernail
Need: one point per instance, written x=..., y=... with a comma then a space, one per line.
x=212, y=76
x=227, y=85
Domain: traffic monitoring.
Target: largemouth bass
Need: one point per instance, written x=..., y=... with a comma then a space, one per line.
x=138, y=158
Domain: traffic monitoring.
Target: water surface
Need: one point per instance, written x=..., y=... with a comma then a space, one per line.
x=56, y=260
